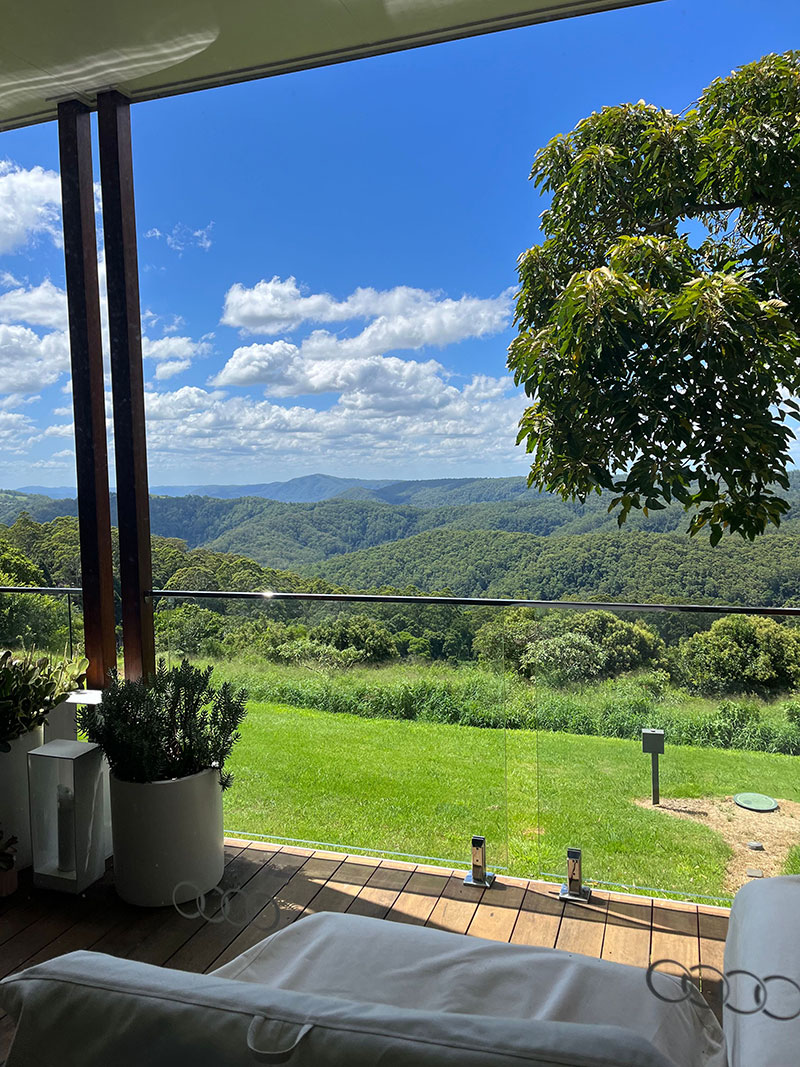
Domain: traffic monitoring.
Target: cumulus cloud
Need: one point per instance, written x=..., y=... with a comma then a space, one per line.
x=16, y=432
x=171, y=368
x=30, y=205
x=426, y=421
x=407, y=319
x=29, y=362
x=40, y=305
x=277, y=306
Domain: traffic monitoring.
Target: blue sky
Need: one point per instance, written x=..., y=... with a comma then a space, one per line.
x=327, y=259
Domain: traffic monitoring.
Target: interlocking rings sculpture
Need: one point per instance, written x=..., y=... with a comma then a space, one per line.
x=235, y=906
x=684, y=984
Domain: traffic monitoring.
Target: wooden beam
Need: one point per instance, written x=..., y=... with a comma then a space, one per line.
x=127, y=381
x=88, y=390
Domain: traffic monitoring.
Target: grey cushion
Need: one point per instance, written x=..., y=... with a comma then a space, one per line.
x=365, y=959
x=90, y=1010
x=764, y=939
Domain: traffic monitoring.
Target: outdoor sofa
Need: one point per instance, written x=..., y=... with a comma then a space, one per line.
x=347, y=991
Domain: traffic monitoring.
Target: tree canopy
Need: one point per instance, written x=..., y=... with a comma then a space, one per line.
x=658, y=320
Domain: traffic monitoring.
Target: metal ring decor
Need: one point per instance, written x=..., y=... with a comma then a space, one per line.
x=761, y=998
x=684, y=980
x=701, y=967
x=688, y=988
x=200, y=910
x=223, y=912
x=791, y=981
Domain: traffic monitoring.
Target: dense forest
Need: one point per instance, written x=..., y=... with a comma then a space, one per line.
x=303, y=536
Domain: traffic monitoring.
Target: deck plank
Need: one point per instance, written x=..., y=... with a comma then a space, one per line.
x=713, y=929
x=177, y=930
x=583, y=926
x=455, y=909
x=675, y=936
x=497, y=912
x=539, y=916
x=417, y=901
x=627, y=936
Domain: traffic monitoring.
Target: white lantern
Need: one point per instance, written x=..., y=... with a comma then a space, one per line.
x=68, y=804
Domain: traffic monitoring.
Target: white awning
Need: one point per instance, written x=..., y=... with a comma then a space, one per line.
x=50, y=50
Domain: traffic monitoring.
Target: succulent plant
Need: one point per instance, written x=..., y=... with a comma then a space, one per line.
x=30, y=686
x=7, y=851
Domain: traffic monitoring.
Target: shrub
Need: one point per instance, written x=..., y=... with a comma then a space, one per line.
x=168, y=726
x=568, y=659
x=360, y=632
x=741, y=654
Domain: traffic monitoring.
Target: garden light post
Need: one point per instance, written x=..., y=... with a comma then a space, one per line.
x=653, y=742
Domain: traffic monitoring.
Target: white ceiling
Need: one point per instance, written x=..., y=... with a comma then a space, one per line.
x=54, y=49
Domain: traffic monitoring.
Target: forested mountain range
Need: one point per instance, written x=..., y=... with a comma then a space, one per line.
x=473, y=536
x=633, y=565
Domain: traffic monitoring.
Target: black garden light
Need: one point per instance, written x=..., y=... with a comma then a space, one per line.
x=653, y=742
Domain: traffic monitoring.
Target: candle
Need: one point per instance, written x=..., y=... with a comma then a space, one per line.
x=66, y=834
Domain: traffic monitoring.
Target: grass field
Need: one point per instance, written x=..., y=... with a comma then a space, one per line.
x=423, y=788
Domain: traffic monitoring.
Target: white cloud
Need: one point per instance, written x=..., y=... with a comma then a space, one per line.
x=30, y=205
x=58, y=461
x=40, y=305
x=171, y=368
x=15, y=432
x=324, y=362
x=29, y=362
x=173, y=348
x=417, y=421
x=275, y=306
x=181, y=237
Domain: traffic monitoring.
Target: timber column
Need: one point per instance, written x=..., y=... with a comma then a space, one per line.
x=127, y=381
x=88, y=390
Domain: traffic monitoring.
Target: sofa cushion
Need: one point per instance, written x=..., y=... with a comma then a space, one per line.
x=93, y=1010
x=764, y=942
x=365, y=959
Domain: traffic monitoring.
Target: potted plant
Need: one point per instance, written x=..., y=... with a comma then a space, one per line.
x=8, y=871
x=166, y=740
x=31, y=685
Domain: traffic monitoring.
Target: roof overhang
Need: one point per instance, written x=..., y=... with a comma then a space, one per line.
x=50, y=51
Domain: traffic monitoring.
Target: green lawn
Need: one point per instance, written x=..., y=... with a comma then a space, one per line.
x=423, y=789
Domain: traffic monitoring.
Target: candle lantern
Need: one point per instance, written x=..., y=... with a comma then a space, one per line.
x=68, y=803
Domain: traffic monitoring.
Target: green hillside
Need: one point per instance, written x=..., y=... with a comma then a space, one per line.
x=624, y=566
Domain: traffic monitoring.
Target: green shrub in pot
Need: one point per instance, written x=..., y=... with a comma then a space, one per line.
x=166, y=740
x=169, y=726
x=30, y=687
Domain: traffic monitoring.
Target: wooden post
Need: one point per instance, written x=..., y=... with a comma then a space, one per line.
x=88, y=390
x=127, y=381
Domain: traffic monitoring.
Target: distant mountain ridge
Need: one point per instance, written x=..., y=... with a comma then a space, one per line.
x=306, y=489
x=396, y=524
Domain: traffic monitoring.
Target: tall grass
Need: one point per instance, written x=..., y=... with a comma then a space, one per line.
x=474, y=696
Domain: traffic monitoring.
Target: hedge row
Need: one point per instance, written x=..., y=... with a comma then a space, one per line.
x=478, y=698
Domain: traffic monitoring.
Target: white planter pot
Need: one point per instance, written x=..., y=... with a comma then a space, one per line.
x=15, y=815
x=168, y=844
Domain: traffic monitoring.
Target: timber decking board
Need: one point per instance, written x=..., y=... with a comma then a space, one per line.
x=281, y=884
x=627, y=934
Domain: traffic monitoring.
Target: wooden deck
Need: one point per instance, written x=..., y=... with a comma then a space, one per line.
x=281, y=884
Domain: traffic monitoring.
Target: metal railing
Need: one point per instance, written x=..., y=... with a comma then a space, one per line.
x=51, y=590
x=472, y=602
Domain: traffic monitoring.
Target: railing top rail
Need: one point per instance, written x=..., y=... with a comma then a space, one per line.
x=472, y=602
x=49, y=590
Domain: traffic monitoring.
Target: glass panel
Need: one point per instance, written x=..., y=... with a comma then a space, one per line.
x=371, y=727
x=719, y=687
